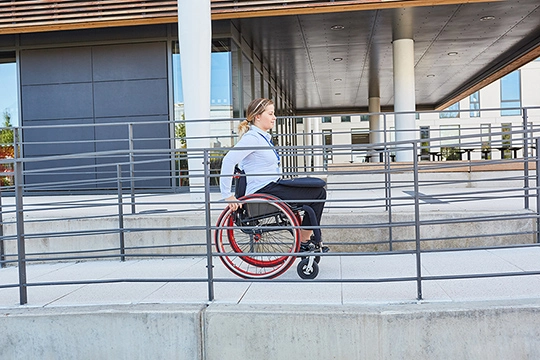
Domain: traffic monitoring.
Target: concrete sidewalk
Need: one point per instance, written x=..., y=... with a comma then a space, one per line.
x=369, y=271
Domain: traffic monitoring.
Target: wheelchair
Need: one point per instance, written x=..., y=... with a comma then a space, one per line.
x=266, y=225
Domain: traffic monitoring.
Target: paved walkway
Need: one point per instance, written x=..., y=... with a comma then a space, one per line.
x=345, y=279
x=333, y=269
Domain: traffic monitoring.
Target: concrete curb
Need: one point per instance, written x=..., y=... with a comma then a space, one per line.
x=445, y=330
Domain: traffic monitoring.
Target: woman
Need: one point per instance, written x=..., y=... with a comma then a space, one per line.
x=254, y=153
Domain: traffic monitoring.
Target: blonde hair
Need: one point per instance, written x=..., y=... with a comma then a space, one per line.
x=256, y=107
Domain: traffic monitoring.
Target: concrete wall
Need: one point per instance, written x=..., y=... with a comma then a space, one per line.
x=116, y=332
x=415, y=331
x=481, y=330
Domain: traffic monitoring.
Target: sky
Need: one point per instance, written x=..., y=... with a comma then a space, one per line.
x=8, y=92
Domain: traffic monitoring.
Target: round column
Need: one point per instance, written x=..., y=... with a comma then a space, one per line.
x=195, y=39
x=375, y=126
x=404, y=89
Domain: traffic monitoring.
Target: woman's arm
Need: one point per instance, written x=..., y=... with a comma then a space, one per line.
x=234, y=157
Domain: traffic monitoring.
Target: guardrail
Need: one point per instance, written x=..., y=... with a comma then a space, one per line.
x=378, y=208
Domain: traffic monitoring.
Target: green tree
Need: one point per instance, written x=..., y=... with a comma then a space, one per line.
x=6, y=134
x=6, y=149
x=180, y=133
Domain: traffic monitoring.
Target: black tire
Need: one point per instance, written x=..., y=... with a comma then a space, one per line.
x=301, y=269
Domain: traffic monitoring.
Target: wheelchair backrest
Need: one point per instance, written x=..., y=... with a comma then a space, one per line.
x=240, y=182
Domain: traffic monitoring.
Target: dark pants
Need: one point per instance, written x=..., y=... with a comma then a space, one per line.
x=291, y=194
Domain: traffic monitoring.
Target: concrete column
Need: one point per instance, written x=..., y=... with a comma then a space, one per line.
x=404, y=89
x=376, y=135
x=375, y=126
x=195, y=38
x=317, y=144
x=314, y=140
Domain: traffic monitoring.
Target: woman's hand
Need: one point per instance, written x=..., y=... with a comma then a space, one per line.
x=234, y=204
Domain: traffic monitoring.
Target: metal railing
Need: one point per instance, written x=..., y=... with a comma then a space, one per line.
x=380, y=208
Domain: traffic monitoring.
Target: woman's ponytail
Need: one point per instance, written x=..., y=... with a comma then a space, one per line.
x=243, y=128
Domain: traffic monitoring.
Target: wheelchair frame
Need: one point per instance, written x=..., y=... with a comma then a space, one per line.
x=259, y=240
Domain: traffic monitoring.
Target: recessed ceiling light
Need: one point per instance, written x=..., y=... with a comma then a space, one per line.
x=337, y=27
x=487, y=18
x=338, y=59
x=338, y=80
x=452, y=53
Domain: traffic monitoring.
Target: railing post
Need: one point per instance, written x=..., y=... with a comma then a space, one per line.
x=387, y=166
x=2, y=249
x=120, y=212
x=388, y=197
x=21, y=251
x=417, y=224
x=209, y=259
x=387, y=186
x=313, y=151
x=525, y=160
x=537, y=177
x=132, y=168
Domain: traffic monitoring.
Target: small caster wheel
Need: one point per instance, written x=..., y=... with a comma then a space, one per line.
x=303, y=271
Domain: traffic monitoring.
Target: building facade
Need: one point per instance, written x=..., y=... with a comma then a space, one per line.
x=505, y=96
x=80, y=86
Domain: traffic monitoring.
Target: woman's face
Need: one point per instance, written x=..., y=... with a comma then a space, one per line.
x=267, y=119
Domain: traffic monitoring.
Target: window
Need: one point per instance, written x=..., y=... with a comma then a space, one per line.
x=346, y=118
x=327, y=152
x=222, y=85
x=257, y=83
x=511, y=94
x=224, y=62
x=450, y=112
x=424, y=144
x=247, y=81
x=236, y=81
x=327, y=119
x=485, y=130
x=364, y=117
x=450, y=149
x=327, y=137
x=359, y=137
x=9, y=104
x=299, y=120
x=474, y=100
x=506, y=142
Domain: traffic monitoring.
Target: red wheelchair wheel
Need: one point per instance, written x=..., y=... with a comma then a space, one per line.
x=265, y=225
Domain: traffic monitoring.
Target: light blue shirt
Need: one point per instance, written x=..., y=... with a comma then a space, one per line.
x=255, y=155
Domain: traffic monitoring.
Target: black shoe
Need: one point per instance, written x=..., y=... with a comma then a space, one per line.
x=324, y=249
x=312, y=245
x=307, y=247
